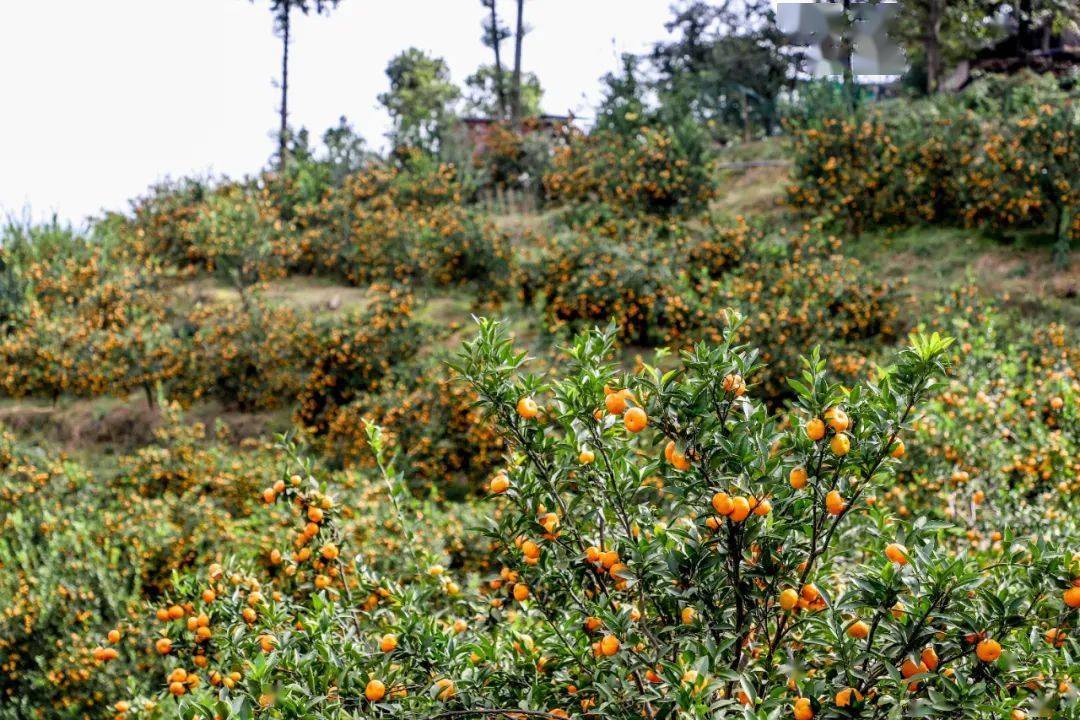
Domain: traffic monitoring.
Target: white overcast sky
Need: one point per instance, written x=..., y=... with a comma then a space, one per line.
x=101, y=98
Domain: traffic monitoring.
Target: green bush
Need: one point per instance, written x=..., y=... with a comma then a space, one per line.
x=659, y=173
x=944, y=161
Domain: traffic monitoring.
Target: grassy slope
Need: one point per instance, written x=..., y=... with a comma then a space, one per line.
x=1022, y=277
x=1025, y=280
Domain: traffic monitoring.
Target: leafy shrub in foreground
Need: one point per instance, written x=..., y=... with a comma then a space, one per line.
x=667, y=547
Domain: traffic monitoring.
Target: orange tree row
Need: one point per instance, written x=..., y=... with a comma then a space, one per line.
x=943, y=162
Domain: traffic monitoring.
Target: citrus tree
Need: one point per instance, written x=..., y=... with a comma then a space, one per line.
x=659, y=545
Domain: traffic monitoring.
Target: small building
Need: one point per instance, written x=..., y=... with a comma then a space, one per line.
x=478, y=129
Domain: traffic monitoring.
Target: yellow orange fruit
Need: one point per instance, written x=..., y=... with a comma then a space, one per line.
x=896, y=553
x=635, y=419
x=740, y=508
x=615, y=403
x=375, y=690
x=521, y=591
x=858, y=630
x=898, y=449
x=500, y=484
x=527, y=408
x=845, y=697
x=835, y=503
x=988, y=650
x=837, y=419
x=722, y=503
x=788, y=598
x=675, y=458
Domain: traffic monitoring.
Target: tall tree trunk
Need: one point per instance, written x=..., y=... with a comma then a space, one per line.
x=519, y=34
x=1023, y=30
x=500, y=87
x=745, y=117
x=932, y=42
x=845, y=58
x=283, y=132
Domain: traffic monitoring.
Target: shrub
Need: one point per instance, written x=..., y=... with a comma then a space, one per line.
x=997, y=450
x=795, y=290
x=655, y=172
x=430, y=420
x=803, y=293
x=942, y=162
x=55, y=587
x=356, y=358
x=392, y=541
x=589, y=282
x=648, y=286
x=517, y=159
x=85, y=326
x=707, y=577
x=233, y=229
x=251, y=357
x=390, y=224
x=84, y=549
